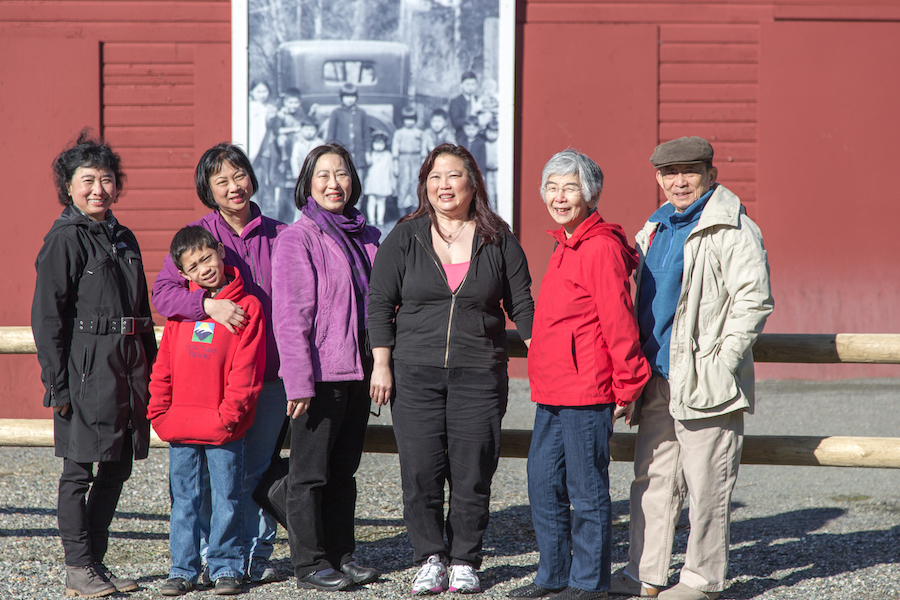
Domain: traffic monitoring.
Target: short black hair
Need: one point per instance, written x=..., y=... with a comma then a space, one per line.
x=303, y=189
x=89, y=152
x=192, y=237
x=211, y=163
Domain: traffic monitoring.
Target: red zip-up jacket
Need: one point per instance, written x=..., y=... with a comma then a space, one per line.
x=206, y=378
x=585, y=346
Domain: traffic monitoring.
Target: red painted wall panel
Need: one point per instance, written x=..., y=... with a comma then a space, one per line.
x=599, y=98
x=828, y=129
x=38, y=120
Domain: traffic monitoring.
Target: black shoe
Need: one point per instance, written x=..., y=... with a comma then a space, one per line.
x=533, y=590
x=360, y=575
x=325, y=581
x=573, y=593
x=176, y=586
x=228, y=586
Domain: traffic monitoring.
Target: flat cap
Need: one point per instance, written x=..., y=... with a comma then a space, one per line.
x=685, y=150
x=348, y=89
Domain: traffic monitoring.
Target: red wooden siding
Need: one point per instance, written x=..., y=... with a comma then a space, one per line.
x=154, y=78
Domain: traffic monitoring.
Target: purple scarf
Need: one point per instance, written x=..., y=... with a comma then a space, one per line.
x=345, y=229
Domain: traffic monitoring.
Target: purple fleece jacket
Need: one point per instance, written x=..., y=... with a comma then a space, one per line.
x=250, y=253
x=314, y=308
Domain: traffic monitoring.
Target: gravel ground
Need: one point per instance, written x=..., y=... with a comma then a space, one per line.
x=798, y=532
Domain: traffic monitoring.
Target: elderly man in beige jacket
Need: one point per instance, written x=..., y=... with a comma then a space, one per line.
x=703, y=297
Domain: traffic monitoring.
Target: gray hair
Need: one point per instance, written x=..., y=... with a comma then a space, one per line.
x=569, y=162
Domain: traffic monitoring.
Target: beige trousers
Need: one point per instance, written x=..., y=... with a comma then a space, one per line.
x=673, y=459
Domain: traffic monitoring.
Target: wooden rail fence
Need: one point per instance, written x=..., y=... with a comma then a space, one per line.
x=831, y=451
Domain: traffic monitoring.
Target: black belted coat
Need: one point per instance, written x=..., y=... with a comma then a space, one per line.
x=90, y=293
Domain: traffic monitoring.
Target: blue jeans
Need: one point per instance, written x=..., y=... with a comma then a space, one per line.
x=187, y=465
x=259, y=526
x=568, y=463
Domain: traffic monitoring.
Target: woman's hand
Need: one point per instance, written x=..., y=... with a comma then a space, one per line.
x=381, y=384
x=296, y=408
x=62, y=410
x=225, y=312
x=625, y=411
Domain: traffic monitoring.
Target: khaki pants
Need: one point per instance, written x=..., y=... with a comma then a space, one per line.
x=673, y=459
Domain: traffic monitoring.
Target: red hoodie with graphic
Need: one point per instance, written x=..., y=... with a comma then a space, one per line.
x=206, y=379
x=585, y=346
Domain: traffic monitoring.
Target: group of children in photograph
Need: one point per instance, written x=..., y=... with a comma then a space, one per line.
x=282, y=136
x=300, y=327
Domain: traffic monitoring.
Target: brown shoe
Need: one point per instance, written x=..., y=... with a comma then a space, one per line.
x=87, y=582
x=623, y=585
x=123, y=584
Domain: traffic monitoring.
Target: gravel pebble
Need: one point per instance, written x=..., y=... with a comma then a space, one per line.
x=797, y=532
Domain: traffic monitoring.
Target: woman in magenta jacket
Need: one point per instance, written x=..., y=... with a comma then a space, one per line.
x=225, y=183
x=584, y=361
x=320, y=267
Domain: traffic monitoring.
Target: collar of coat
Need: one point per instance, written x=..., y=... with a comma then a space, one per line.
x=722, y=208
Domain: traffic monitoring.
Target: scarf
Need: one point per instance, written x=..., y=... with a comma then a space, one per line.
x=345, y=229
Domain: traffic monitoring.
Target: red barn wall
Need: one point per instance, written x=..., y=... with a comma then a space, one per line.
x=795, y=97
x=154, y=78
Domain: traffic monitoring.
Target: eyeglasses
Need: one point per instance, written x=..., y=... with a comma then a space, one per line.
x=570, y=189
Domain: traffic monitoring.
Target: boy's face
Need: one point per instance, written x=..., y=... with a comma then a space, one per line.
x=291, y=104
x=308, y=131
x=409, y=122
x=204, y=266
x=491, y=134
x=437, y=123
x=378, y=145
x=348, y=100
x=470, y=129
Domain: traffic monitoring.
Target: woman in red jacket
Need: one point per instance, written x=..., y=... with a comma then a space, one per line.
x=585, y=359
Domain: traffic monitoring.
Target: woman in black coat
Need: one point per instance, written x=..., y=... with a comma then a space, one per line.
x=94, y=335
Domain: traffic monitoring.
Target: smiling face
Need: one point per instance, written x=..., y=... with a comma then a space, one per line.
x=331, y=183
x=565, y=201
x=450, y=192
x=93, y=191
x=684, y=184
x=260, y=93
x=204, y=266
x=231, y=188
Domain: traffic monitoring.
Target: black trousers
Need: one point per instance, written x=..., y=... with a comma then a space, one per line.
x=447, y=426
x=84, y=525
x=326, y=446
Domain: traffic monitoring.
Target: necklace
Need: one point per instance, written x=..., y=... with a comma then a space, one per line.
x=450, y=235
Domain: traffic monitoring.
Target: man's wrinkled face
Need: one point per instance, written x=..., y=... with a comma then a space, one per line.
x=684, y=184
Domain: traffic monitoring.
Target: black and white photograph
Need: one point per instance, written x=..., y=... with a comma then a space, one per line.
x=388, y=79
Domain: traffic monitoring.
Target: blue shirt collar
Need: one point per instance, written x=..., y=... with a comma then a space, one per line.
x=667, y=215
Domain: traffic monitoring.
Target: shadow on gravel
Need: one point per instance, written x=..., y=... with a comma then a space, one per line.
x=783, y=550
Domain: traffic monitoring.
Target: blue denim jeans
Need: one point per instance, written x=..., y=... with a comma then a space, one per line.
x=568, y=464
x=187, y=465
x=259, y=526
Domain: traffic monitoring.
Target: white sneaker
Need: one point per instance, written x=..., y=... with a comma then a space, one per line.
x=431, y=578
x=464, y=580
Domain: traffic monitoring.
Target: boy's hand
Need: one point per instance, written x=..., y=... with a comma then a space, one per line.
x=296, y=408
x=225, y=312
x=623, y=411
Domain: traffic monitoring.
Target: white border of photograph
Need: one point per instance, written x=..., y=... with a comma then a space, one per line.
x=506, y=84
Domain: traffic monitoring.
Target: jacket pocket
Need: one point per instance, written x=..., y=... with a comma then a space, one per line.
x=715, y=384
x=552, y=363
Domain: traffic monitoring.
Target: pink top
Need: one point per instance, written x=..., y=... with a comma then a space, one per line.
x=455, y=274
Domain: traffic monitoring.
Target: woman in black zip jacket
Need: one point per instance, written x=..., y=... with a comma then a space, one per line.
x=94, y=336
x=440, y=283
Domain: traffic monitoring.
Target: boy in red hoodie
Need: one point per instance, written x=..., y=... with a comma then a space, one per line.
x=203, y=399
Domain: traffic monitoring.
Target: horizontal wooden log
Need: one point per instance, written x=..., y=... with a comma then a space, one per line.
x=39, y=433
x=838, y=451
x=870, y=348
